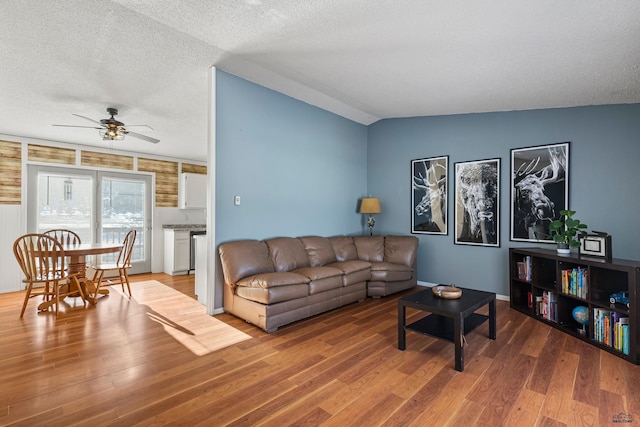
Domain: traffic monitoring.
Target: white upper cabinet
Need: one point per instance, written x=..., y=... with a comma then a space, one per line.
x=192, y=191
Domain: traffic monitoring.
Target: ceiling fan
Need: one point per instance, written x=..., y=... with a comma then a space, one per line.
x=111, y=129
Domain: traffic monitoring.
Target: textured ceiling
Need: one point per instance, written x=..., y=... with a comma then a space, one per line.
x=361, y=59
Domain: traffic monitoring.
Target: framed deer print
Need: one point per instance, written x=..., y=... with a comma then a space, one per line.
x=429, y=195
x=539, y=190
x=477, y=203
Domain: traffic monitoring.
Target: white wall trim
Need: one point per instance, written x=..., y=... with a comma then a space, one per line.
x=210, y=213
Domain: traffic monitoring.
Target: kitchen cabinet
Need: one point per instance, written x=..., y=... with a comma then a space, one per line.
x=176, y=251
x=192, y=191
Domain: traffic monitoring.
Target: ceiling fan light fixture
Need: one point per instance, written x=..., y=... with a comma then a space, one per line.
x=112, y=134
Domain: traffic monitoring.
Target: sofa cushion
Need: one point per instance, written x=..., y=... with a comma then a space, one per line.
x=400, y=249
x=370, y=248
x=390, y=272
x=274, y=294
x=315, y=273
x=322, y=285
x=287, y=253
x=348, y=267
x=272, y=280
x=344, y=248
x=353, y=271
x=244, y=258
x=322, y=278
x=319, y=250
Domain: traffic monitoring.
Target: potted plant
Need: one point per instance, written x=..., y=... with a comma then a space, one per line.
x=566, y=230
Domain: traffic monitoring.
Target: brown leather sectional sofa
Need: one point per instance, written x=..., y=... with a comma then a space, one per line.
x=273, y=282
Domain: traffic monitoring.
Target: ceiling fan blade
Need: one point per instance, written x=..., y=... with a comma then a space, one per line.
x=74, y=126
x=143, y=137
x=87, y=118
x=141, y=127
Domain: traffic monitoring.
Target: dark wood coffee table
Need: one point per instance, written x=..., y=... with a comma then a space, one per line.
x=450, y=319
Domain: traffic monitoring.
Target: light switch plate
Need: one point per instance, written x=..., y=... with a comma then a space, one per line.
x=236, y=200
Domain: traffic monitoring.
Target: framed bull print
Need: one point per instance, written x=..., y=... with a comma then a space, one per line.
x=539, y=190
x=477, y=203
x=429, y=195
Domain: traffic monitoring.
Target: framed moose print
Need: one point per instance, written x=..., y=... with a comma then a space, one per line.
x=539, y=190
x=477, y=203
x=429, y=195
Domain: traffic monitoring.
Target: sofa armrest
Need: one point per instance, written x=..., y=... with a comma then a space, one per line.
x=244, y=258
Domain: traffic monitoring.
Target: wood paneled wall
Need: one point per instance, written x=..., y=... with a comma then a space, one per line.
x=166, y=180
x=166, y=172
x=42, y=153
x=11, y=176
x=190, y=168
x=111, y=161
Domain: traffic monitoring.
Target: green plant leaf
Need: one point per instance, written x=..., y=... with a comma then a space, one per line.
x=572, y=223
x=555, y=225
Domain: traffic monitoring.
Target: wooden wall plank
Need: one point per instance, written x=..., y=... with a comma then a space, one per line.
x=166, y=180
x=191, y=168
x=42, y=153
x=158, y=166
x=11, y=177
x=166, y=172
x=105, y=160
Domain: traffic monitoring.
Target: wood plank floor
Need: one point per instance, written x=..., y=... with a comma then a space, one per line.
x=158, y=359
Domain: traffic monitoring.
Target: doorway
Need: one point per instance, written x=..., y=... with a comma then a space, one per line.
x=99, y=206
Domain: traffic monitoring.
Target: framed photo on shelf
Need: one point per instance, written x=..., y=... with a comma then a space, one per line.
x=429, y=195
x=477, y=203
x=539, y=190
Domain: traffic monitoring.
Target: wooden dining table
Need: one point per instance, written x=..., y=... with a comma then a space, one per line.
x=76, y=254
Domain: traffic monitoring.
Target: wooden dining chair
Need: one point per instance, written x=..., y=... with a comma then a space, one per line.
x=121, y=265
x=42, y=261
x=64, y=236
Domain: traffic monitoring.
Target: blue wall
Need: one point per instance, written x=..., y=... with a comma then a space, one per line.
x=604, y=179
x=299, y=170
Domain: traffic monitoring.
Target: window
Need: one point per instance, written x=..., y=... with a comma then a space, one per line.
x=69, y=198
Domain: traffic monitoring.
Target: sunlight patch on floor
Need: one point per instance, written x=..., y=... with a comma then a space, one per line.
x=184, y=318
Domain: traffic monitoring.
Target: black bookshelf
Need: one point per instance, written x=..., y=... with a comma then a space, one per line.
x=548, y=287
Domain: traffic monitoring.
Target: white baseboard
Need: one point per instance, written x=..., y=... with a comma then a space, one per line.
x=428, y=284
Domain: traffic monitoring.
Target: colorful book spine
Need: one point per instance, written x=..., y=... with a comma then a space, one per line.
x=610, y=328
x=625, y=339
x=575, y=282
x=524, y=269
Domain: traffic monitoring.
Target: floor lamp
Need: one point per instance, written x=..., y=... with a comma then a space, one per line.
x=370, y=205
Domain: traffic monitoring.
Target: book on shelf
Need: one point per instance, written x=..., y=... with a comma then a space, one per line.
x=524, y=269
x=611, y=328
x=549, y=306
x=575, y=282
x=622, y=335
x=625, y=339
